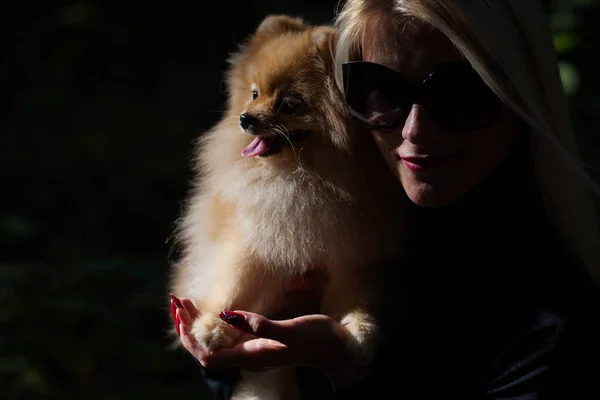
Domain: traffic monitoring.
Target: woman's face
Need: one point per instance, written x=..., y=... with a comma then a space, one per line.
x=435, y=165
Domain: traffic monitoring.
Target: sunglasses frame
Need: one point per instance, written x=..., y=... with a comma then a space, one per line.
x=419, y=88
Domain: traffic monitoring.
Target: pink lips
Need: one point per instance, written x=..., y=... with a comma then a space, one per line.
x=423, y=163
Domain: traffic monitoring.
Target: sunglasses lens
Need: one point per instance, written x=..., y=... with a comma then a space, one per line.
x=374, y=95
x=454, y=95
x=459, y=100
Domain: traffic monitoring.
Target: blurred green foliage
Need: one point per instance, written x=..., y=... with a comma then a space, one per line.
x=574, y=24
x=101, y=101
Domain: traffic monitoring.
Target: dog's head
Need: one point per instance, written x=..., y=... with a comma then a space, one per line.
x=281, y=86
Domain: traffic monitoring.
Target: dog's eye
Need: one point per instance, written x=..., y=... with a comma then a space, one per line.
x=254, y=94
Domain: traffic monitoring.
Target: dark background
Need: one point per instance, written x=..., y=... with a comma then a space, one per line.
x=100, y=103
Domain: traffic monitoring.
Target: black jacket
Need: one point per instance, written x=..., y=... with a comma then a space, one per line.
x=494, y=307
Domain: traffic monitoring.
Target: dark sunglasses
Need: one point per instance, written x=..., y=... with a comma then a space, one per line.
x=454, y=95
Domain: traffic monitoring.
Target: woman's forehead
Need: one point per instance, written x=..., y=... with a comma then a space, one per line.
x=410, y=46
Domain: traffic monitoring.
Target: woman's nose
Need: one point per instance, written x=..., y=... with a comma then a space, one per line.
x=419, y=127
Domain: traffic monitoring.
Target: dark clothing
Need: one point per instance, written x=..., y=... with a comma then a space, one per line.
x=495, y=306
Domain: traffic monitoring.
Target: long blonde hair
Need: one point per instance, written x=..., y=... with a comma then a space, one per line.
x=509, y=44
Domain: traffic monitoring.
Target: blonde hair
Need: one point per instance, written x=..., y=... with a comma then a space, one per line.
x=509, y=44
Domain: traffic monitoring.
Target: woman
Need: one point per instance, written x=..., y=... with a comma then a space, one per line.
x=464, y=100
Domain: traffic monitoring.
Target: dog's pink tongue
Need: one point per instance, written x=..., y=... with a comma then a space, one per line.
x=258, y=146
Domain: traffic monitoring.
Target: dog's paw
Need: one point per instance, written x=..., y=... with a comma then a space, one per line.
x=363, y=337
x=212, y=333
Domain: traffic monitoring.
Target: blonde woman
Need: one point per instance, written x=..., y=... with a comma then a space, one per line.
x=464, y=100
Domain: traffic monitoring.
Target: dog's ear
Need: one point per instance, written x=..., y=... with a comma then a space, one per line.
x=280, y=23
x=325, y=38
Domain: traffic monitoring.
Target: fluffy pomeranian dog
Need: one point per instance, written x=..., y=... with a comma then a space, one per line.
x=282, y=186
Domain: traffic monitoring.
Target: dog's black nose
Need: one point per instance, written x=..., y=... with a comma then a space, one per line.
x=247, y=121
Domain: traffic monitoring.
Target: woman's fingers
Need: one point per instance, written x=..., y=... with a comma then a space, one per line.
x=265, y=343
x=183, y=304
x=184, y=317
x=190, y=308
x=175, y=301
x=173, y=309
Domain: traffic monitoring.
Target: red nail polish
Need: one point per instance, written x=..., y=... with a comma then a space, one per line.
x=173, y=309
x=177, y=322
x=176, y=301
x=232, y=318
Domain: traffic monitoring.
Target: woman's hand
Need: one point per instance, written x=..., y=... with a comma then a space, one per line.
x=310, y=340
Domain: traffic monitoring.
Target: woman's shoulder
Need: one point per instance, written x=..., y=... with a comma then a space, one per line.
x=554, y=355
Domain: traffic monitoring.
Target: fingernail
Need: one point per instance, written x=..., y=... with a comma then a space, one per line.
x=173, y=308
x=177, y=322
x=232, y=318
x=176, y=300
